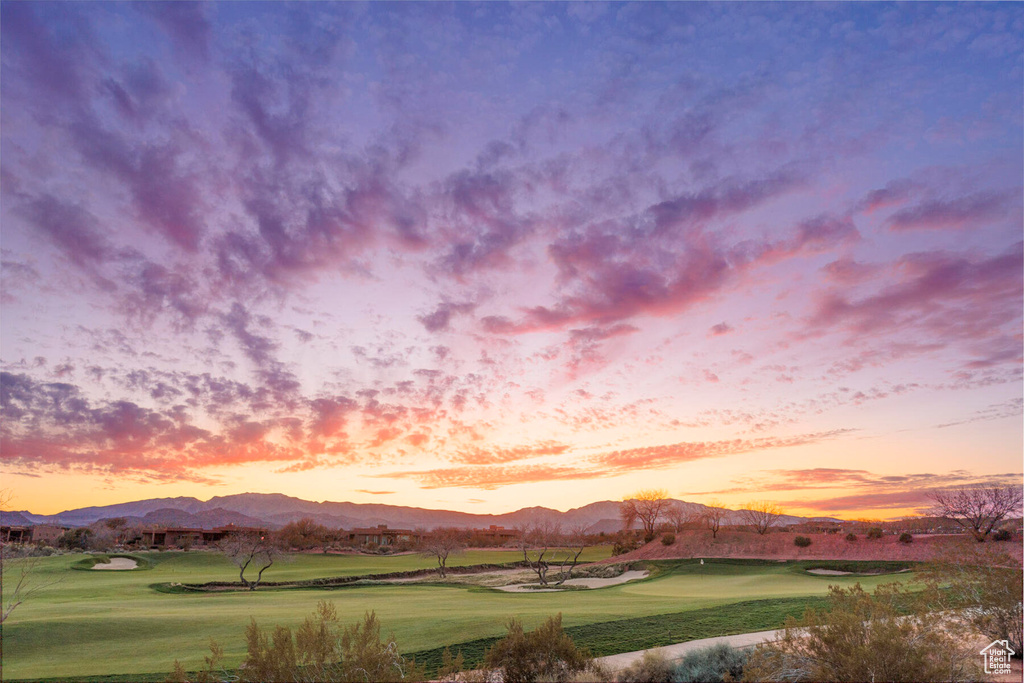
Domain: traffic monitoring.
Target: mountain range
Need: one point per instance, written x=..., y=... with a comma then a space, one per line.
x=274, y=510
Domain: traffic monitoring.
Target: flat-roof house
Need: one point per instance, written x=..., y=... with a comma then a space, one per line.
x=382, y=535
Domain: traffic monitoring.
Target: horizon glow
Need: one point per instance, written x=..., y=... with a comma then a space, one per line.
x=483, y=257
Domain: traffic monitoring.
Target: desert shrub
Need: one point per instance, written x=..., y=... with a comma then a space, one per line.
x=1002, y=535
x=888, y=636
x=596, y=672
x=546, y=652
x=450, y=667
x=625, y=545
x=319, y=651
x=851, y=537
x=206, y=674
x=906, y=538
x=651, y=668
x=987, y=583
x=713, y=664
x=668, y=539
x=874, y=532
x=365, y=657
x=801, y=541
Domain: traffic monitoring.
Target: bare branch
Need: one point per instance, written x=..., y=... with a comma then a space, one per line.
x=714, y=512
x=978, y=509
x=441, y=543
x=648, y=506
x=761, y=514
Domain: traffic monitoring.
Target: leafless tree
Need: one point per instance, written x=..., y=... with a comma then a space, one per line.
x=761, y=514
x=679, y=516
x=24, y=579
x=713, y=514
x=21, y=582
x=573, y=542
x=250, y=550
x=441, y=543
x=978, y=509
x=647, y=506
x=537, y=541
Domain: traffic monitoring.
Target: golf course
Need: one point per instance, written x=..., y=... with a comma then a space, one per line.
x=135, y=623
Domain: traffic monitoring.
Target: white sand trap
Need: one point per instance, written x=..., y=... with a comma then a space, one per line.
x=828, y=572
x=117, y=563
x=589, y=583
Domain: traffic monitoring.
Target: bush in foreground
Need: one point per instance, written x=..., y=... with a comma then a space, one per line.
x=801, y=541
x=888, y=636
x=906, y=538
x=546, y=653
x=711, y=664
x=1002, y=535
x=851, y=537
x=320, y=651
x=668, y=539
x=651, y=668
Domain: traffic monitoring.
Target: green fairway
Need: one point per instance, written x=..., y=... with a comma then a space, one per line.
x=108, y=622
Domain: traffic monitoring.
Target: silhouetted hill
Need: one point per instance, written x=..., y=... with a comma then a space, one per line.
x=275, y=510
x=206, y=519
x=14, y=519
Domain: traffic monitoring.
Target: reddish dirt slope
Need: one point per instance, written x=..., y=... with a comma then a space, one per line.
x=779, y=546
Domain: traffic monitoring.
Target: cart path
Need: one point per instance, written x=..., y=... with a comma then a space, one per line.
x=679, y=650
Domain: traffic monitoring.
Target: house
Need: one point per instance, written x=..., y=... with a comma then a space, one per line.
x=40, y=534
x=163, y=537
x=382, y=535
x=15, y=534
x=495, y=535
x=47, y=534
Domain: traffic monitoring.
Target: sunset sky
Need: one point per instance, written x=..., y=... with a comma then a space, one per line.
x=488, y=256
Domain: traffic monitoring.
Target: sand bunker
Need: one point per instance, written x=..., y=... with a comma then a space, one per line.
x=117, y=563
x=589, y=583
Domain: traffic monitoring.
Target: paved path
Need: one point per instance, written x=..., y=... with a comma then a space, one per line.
x=624, y=659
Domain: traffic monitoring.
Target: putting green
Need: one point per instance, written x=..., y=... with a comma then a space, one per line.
x=115, y=623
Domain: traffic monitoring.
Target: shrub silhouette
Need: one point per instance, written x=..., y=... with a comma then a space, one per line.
x=546, y=652
x=716, y=663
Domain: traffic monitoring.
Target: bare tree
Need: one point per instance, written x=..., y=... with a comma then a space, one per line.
x=978, y=509
x=713, y=514
x=250, y=550
x=761, y=514
x=536, y=541
x=679, y=516
x=442, y=542
x=647, y=506
x=21, y=583
x=574, y=542
x=23, y=580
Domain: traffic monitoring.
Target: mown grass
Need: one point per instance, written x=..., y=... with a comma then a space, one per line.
x=103, y=623
x=641, y=633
